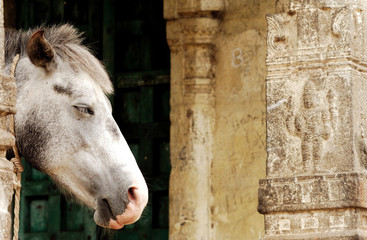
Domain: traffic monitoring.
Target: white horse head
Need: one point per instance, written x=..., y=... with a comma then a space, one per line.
x=64, y=125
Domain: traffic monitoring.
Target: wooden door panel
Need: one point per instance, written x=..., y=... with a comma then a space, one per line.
x=72, y=215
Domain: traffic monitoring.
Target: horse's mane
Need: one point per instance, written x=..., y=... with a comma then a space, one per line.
x=67, y=43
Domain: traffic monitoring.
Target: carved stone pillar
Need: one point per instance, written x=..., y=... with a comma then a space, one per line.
x=316, y=185
x=191, y=31
x=7, y=107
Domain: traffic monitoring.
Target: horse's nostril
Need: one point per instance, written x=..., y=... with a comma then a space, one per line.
x=131, y=194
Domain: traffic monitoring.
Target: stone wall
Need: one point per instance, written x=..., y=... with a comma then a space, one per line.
x=7, y=107
x=218, y=71
x=240, y=139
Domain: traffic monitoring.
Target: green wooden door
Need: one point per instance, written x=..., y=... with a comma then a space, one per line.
x=46, y=214
x=135, y=42
x=129, y=36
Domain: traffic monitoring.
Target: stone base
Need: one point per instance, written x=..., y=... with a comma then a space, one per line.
x=349, y=223
x=306, y=193
x=330, y=206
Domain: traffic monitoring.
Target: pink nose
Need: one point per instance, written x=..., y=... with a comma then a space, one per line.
x=138, y=199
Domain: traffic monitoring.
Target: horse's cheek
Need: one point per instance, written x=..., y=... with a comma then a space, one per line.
x=32, y=141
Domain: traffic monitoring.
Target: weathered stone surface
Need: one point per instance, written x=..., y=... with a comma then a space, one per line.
x=239, y=149
x=331, y=224
x=7, y=107
x=7, y=95
x=7, y=140
x=315, y=83
x=175, y=9
x=192, y=121
x=306, y=193
x=316, y=103
x=6, y=195
x=309, y=130
x=217, y=118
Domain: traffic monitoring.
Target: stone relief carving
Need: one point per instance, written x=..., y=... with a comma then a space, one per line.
x=199, y=61
x=311, y=192
x=276, y=39
x=322, y=43
x=332, y=100
x=344, y=25
x=313, y=123
x=361, y=141
x=199, y=54
x=340, y=28
x=362, y=147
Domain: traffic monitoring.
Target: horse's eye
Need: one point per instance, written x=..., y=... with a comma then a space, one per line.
x=84, y=109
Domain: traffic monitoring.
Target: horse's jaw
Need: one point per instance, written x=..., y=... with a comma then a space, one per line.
x=111, y=209
x=104, y=216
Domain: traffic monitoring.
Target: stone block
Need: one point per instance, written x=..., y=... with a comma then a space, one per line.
x=308, y=193
x=7, y=95
x=332, y=224
x=7, y=140
x=6, y=196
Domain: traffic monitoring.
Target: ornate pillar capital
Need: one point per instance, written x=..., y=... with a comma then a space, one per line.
x=175, y=9
x=195, y=37
x=188, y=31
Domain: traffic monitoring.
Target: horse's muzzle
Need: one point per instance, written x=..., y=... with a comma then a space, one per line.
x=111, y=216
x=133, y=210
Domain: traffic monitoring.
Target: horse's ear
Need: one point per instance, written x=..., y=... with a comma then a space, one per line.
x=40, y=51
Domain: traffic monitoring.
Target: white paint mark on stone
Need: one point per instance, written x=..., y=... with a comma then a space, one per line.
x=237, y=58
x=276, y=105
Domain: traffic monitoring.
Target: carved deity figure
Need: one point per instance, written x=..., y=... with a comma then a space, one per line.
x=312, y=124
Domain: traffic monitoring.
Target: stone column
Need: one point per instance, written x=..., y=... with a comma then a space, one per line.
x=191, y=30
x=7, y=107
x=316, y=184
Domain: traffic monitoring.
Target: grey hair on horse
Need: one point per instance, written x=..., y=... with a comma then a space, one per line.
x=67, y=43
x=64, y=125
